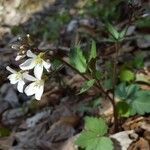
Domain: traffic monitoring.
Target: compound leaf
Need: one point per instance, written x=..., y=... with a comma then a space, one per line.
x=113, y=31
x=96, y=125
x=86, y=138
x=89, y=142
x=141, y=104
x=78, y=60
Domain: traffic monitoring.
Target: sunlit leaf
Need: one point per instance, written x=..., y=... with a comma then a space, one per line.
x=92, y=137
x=93, y=53
x=126, y=75
x=78, y=60
x=97, y=125
x=113, y=31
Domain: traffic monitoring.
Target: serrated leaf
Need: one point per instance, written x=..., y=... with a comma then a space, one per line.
x=131, y=90
x=96, y=125
x=87, y=85
x=113, y=31
x=138, y=100
x=121, y=91
x=101, y=143
x=86, y=138
x=126, y=75
x=141, y=104
x=94, y=143
x=78, y=60
x=123, y=109
x=127, y=92
x=93, y=53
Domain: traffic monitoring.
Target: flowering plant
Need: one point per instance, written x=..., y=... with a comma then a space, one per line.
x=21, y=77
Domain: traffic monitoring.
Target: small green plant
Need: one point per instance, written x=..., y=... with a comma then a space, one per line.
x=94, y=136
x=111, y=80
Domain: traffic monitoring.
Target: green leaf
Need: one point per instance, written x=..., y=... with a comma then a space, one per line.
x=91, y=142
x=127, y=92
x=121, y=91
x=126, y=75
x=92, y=138
x=122, y=34
x=113, y=31
x=131, y=90
x=141, y=104
x=101, y=143
x=137, y=99
x=78, y=60
x=87, y=85
x=93, y=53
x=86, y=138
x=123, y=109
x=97, y=125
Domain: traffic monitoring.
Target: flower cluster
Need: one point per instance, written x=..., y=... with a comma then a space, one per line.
x=21, y=77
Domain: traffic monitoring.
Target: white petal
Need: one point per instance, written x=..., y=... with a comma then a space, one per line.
x=28, y=77
x=30, y=89
x=46, y=65
x=38, y=71
x=18, y=57
x=11, y=70
x=30, y=54
x=39, y=92
x=12, y=78
x=28, y=64
x=20, y=86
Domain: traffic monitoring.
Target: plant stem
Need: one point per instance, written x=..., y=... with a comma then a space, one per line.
x=114, y=87
x=101, y=89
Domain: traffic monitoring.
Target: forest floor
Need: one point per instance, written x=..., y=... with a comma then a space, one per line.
x=54, y=122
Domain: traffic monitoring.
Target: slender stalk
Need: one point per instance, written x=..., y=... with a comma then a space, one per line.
x=101, y=89
x=114, y=85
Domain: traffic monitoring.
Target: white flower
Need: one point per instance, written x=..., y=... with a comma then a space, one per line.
x=36, y=62
x=18, y=57
x=35, y=88
x=17, y=78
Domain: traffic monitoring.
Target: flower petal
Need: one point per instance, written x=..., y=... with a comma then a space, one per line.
x=39, y=92
x=28, y=64
x=12, y=78
x=46, y=65
x=11, y=70
x=30, y=89
x=30, y=54
x=20, y=86
x=28, y=77
x=38, y=71
x=18, y=57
